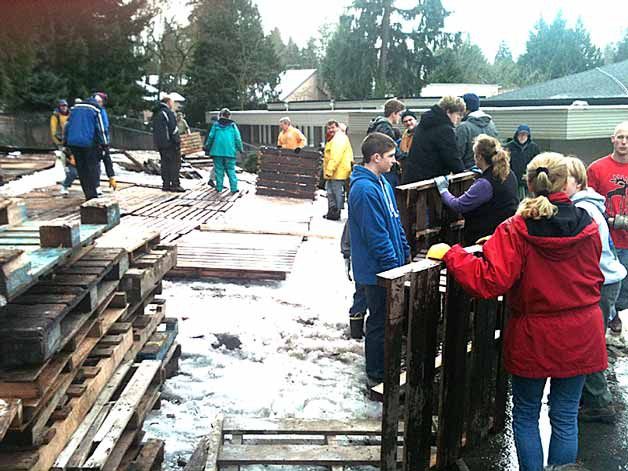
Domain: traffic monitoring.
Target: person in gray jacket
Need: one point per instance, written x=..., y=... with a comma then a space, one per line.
x=475, y=122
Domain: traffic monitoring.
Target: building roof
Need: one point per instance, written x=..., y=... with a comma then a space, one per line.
x=459, y=89
x=291, y=80
x=609, y=81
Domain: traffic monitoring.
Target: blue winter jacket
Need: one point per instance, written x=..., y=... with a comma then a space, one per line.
x=378, y=242
x=85, y=128
x=105, y=122
x=224, y=139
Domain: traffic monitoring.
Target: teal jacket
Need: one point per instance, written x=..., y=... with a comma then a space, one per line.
x=224, y=139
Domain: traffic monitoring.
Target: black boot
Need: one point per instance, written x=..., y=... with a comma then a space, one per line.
x=356, y=325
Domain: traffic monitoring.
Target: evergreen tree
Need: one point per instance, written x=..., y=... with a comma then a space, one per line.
x=381, y=49
x=464, y=63
x=621, y=52
x=554, y=50
x=234, y=64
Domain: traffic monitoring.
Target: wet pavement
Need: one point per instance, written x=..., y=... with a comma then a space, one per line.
x=602, y=447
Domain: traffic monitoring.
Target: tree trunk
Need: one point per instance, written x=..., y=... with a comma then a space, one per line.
x=380, y=85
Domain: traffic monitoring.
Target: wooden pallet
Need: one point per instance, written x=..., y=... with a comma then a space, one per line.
x=104, y=360
x=36, y=324
x=230, y=255
x=286, y=173
x=147, y=456
x=134, y=240
x=191, y=143
x=160, y=343
x=147, y=271
x=235, y=442
x=12, y=168
x=169, y=229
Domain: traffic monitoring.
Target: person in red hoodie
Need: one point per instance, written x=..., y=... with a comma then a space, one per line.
x=546, y=259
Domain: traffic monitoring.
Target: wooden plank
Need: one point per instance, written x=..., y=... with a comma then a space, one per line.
x=12, y=211
x=60, y=235
x=422, y=335
x=10, y=411
x=263, y=426
x=113, y=427
x=453, y=374
x=100, y=211
x=150, y=457
x=214, y=444
x=395, y=294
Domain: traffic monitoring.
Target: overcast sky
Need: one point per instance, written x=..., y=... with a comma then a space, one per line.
x=486, y=21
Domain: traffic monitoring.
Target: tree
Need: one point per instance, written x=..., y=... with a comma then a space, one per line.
x=464, y=63
x=381, y=49
x=505, y=70
x=70, y=49
x=234, y=64
x=554, y=50
x=621, y=53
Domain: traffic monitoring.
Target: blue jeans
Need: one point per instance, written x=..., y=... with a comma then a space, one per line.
x=622, y=299
x=564, y=400
x=375, y=325
x=70, y=175
x=335, y=194
x=359, y=300
x=222, y=165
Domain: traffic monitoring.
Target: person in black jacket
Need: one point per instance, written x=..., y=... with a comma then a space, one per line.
x=522, y=150
x=168, y=143
x=434, y=151
x=385, y=124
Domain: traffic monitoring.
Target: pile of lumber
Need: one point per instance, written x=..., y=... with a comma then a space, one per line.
x=85, y=350
x=191, y=143
x=284, y=172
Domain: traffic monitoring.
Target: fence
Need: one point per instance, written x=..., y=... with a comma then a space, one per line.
x=424, y=217
x=465, y=383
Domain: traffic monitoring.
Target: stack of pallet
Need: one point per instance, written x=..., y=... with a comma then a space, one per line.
x=85, y=350
x=191, y=143
x=284, y=172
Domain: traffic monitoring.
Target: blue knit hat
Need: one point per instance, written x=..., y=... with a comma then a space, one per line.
x=523, y=128
x=472, y=101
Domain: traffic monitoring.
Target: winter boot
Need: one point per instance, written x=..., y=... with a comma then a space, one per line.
x=356, y=325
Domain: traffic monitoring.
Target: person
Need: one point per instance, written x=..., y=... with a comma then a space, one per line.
x=224, y=142
x=596, y=397
x=474, y=123
x=522, y=150
x=58, y=120
x=290, y=137
x=408, y=119
x=105, y=155
x=168, y=143
x=433, y=151
x=385, y=124
x=609, y=177
x=378, y=242
x=84, y=135
x=182, y=124
x=555, y=329
x=357, y=311
x=491, y=199
x=337, y=161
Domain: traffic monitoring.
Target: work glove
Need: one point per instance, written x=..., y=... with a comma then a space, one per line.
x=348, y=268
x=113, y=184
x=438, y=251
x=475, y=169
x=482, y=240
x=71, y=160
x=297, y=150
x=442, y=184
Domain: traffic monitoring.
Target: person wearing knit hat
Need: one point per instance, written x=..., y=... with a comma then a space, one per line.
x=409, y=121
x=522, y=150
x=475, y=122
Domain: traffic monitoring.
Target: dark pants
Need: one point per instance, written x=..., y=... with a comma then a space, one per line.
x=359, y=300
x=375, y=325
x=105, y=156
x=88, y=169
x=170, y=166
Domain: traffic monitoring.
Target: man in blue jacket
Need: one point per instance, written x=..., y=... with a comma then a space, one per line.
x=84, y=135
x=378, y=242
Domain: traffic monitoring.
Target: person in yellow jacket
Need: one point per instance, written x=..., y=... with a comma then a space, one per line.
x=57, y=122
x=290, y=137
x=336, y=169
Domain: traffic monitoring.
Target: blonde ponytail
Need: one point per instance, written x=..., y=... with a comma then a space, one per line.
x=490, y=150
x=546, y=174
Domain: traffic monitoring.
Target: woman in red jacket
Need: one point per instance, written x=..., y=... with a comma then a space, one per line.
x=546, y=258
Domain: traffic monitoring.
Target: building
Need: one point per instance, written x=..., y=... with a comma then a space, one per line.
x=300, y=85
x=482, y=90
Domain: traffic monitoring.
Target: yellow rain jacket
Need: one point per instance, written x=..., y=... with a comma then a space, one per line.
x=338, y=158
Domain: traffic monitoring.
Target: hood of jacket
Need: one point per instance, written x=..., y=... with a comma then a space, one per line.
x=434, y=117
x=571, y=228
x=224, y=122
x=378, y=123
x=591, y=196
x=479, y=118
x=362, y=173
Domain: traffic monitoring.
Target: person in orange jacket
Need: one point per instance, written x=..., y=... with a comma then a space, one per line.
x=290, y=137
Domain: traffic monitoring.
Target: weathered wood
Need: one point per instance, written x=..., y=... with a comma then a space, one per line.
x=100, y=211
x=260, y=426
x=114, y=425
x=150, y=456
x=10, y=411
x=214, y=444
x=60, y=235
x=392, y=369
x=160, y=342
x=424, y=314
x=453, y=391
x=12, y=212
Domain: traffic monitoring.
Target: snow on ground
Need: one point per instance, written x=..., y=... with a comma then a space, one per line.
x=296, y=358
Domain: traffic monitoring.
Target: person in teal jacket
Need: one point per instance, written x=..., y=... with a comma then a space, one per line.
x=223, y=143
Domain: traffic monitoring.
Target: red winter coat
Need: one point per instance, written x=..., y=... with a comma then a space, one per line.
x=553, y=285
